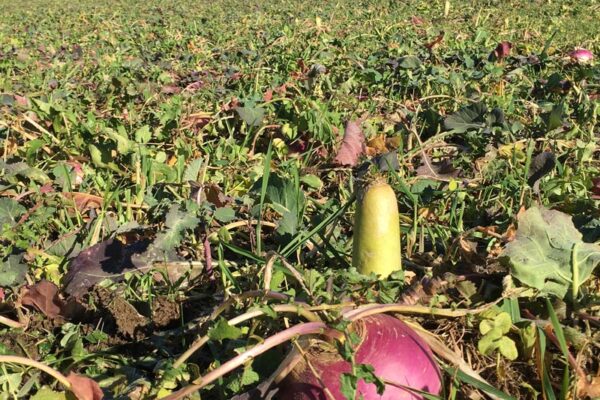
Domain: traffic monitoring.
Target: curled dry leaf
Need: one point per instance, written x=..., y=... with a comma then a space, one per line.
x=416, y=20
x=84, y=388
x=210, y=192
x=268, y=96
x=353, y=144
x=438, y=39
x=215, y=195
x=43, y=296
x=170, y=89
x=376, y=145
x=84, y=201
x=501, y=51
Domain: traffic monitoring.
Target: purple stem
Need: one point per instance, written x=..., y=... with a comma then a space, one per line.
x=208, y=258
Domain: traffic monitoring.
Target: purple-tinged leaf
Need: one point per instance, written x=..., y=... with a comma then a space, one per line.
x=353, y=145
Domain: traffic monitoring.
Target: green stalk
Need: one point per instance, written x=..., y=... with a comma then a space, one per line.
x=575, y=270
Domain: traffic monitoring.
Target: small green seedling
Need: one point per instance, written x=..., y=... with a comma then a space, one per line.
x=494, y=327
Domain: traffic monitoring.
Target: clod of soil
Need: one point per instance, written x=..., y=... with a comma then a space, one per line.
x=165, y=312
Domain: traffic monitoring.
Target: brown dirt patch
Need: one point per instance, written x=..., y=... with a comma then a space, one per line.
x=165, y=312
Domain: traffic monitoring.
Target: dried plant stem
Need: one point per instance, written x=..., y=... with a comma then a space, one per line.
x=307, y=328
x=35, y=364
x=371, y=309
x=285, y=308
x=10, y=323
x=270, y=294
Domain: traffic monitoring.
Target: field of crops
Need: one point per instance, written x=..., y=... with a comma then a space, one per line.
x=184, y=189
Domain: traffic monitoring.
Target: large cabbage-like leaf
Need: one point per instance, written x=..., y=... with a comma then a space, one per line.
x=547, y=250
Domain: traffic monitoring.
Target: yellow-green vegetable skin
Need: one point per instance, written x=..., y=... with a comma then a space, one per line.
x=376, y=245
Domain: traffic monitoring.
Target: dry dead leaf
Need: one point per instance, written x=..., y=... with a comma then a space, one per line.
x=416, y=20
x=268, y=96
x=501, y=51
x=215, y=195
x=510, y=233
x=435, y=41
x=376, y=145
x=170, y=89
x=353, y=144
x=84, y=201
x=11, y=145
x=84, y=388
x=44, y=297
x=587, y=389
x=393, y=142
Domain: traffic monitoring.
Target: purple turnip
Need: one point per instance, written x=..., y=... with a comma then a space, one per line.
x=398, y=355
x=581, y=55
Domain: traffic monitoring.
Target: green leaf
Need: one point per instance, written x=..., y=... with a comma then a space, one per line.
x=558, y=331
x=11, y=381
x=101, y=157
x=548, y=253
x=277, y=279
x=222, y=330
x=554, y=118
x=124, y=145
x=288, y=224
x=143, y=134
x=287, y=200
x=503, y=322
x=467, y=118
x=10, y=210
x=494, y=329
x=249, y=376
x=409, y=62
x=348, y=385
x=12, y=271
x=64, y=175
x=46, y=393
x=508, y=348
x=528, y=335
x=177, y=222
x=252, y=116
x=366, y=372
x=21, y=169
x=224, y=214
x=192, y=170
x=483, y=386
x=312, y=181
x=511, y=306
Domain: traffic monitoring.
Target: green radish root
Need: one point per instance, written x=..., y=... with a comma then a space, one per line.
x=376, y=245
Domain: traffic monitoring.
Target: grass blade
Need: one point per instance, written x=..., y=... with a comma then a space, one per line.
x=263, y=192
